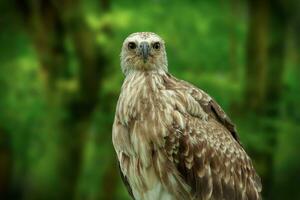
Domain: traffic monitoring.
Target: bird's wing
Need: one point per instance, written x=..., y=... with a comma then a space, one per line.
x=206, y=150
x=126, y=183
x=210, y=106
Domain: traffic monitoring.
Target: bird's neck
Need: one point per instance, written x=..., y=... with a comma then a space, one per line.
x=144, y=81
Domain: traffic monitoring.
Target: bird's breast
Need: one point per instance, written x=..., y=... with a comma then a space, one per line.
x=145, y=108
x=142, y=99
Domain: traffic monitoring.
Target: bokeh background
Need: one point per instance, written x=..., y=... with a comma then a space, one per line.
x=60, y=78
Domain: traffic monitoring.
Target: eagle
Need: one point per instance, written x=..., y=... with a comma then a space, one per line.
x=173, y=141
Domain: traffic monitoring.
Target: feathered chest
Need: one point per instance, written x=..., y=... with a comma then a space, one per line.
x=144, y=99
x=150, y=107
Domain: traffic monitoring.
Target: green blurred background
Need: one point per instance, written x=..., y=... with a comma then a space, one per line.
x=60, y=78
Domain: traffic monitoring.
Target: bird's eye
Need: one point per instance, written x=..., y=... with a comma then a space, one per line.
x=156, y=45
x=131, y=45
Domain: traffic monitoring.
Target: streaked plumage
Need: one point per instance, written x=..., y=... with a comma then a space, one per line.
x=172, y=140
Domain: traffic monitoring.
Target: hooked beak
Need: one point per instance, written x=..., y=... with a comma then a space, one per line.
x=144, y=50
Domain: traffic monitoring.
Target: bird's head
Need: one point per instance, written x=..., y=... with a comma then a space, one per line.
x=143, y=51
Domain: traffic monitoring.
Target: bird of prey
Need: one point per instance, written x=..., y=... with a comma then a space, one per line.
x=172, y=140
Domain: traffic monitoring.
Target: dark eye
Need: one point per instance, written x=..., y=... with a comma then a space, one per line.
x=156, y=45
x=131, y=45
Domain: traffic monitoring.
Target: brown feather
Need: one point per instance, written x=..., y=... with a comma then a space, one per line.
x=181, y=134
x=209, y=181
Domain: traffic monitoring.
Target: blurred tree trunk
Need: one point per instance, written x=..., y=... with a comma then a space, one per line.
x=233, y=45
x=233, y=22
x=265, y=55
x=45, y=26
x=278, y=33
x=257, y=55
x=6, y=165
x=93, y=62
x=50, y=24
x=264, y=78
x=110, y=180
x=274, y=84
x=43, y=23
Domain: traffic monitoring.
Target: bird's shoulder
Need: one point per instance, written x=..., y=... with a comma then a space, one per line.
x=195, y=97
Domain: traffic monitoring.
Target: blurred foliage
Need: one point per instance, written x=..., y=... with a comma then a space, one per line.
x=60, y=78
